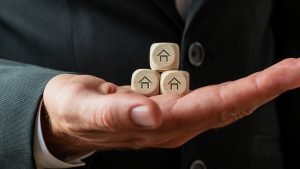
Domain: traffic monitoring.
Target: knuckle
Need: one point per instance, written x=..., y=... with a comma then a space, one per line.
x=246, y=112
x=108, y=88
x=104, y=119
x=289, y=61
x=147, y=140
x=227, y=118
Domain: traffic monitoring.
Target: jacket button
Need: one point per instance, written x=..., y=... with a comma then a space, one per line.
x=196, y=54
x=198, y=164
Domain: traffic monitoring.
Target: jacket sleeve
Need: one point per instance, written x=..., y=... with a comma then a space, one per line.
x=21, y=87
x=286, y=27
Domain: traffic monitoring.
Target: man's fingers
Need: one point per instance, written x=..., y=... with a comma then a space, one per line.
x=280, y=77
x=219, y=105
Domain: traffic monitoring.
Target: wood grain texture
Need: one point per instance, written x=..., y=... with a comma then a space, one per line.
x=174, y=82
x=145, y=82
x=164, y=56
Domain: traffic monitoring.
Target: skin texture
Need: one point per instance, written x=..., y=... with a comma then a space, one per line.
x=85, y=113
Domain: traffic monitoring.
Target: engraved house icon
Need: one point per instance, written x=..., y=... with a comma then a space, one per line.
x=174, y=82
x=163, y=55
x=145, y=82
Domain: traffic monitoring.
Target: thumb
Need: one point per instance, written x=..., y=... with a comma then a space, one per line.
x=126, y=111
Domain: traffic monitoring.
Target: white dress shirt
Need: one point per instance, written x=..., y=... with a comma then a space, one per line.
x=43, y=158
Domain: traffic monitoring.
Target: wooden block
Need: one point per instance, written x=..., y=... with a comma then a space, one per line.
x=146, y=82
x=174, y=82
x=164, y=56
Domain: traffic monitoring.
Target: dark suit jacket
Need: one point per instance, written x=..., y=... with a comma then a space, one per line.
x=111, y=38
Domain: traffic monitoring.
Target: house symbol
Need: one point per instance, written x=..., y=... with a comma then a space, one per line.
x=174, y=82
x=163, y=54
x=145, y=82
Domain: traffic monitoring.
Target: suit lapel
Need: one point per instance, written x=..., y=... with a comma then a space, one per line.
x=193, y=10
x=168, y=7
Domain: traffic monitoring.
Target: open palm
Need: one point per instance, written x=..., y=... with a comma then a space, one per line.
x=101, y=115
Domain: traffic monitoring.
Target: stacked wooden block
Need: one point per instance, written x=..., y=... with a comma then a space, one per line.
x=164, y=76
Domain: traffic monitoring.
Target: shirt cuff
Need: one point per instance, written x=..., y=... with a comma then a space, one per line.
x=42, y=156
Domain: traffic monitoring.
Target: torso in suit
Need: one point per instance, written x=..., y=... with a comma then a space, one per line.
x=220, y=41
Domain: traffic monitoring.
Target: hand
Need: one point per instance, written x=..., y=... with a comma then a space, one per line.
x=86, y=113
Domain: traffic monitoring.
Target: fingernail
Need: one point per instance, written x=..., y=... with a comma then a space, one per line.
x=142, y=117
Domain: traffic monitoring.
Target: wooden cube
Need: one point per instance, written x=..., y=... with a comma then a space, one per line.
x=164, y=56
x=146, y=82
x=174, y=82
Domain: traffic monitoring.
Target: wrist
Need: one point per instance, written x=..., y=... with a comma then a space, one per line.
x=61, y=145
